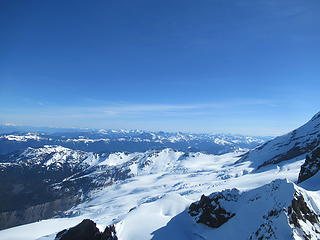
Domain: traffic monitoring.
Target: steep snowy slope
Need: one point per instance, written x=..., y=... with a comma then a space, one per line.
x=296, y=143
x=279, y=210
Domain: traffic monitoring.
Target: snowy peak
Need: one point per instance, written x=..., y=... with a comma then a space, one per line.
x=159, y=161
x=278, y=210
x=54, y=157
x=164, y=161
x=149, y=162
x=21, y=137
x=296, y=143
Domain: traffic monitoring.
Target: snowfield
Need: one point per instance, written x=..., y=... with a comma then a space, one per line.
x=165, y=189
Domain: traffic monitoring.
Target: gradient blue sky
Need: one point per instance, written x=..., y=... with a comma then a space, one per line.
x=249, y=67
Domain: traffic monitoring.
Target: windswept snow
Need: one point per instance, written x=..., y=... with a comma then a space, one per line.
x=151, y=216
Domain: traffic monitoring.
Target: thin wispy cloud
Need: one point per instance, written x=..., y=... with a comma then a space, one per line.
x=122, y=109
x=219, y=116
x=118, y=110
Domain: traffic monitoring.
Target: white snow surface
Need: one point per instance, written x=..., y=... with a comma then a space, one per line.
x=261, y=212
x=303, y=137
x=152, y=204
x=165, y=183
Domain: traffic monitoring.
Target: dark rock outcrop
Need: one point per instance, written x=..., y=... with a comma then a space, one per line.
x=87, y=230
x=209, y=211
x=311, y=165
x=299, y=210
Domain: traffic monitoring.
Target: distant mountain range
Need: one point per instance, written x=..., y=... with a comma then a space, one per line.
x=106, y=141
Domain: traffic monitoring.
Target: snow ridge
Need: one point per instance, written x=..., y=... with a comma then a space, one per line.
x=279, y=210
x=296, y=143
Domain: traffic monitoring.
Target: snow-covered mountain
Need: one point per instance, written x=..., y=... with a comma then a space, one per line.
x=102, y=141
x=295, y=144
x=44, y=175
x=270, y=192
x=165, y=184
x=53, y=157
x=26, y=192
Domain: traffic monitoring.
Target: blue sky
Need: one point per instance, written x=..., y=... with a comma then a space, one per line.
x=249, y=67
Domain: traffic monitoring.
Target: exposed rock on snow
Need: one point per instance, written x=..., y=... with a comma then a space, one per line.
x=311, y=165
x=299, y=211
x=87, y=230
x=209, y=210
x=279, y=210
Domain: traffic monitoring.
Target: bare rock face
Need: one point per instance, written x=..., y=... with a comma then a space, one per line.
x=209, y=211
x=87, y=230
x=300, y=214
x=37, y=212
x=299, y=211
x=311, y=165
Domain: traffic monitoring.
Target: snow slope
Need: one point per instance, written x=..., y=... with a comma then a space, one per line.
x=278, y=210
x=151, y=216
x=296, y=143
